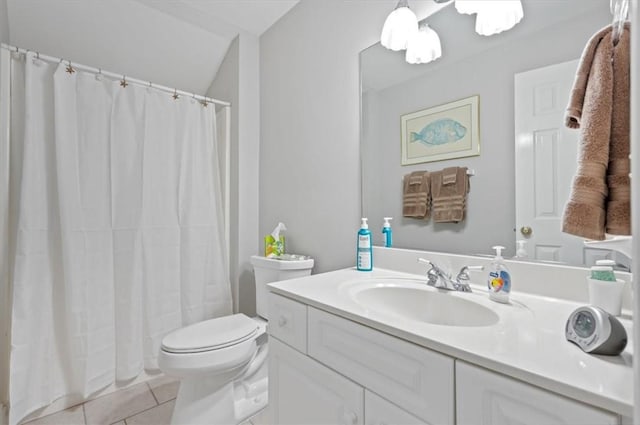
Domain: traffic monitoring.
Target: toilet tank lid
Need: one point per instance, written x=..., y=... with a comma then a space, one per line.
x=278, y=264
x=210, y=334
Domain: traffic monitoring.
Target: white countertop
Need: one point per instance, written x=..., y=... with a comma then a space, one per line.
x=527, y=343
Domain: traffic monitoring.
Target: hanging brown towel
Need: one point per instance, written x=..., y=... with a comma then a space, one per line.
x=416, y=195
x=449, y=189
x=599, y=106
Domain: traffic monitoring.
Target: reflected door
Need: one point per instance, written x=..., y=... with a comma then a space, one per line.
x=546, y=160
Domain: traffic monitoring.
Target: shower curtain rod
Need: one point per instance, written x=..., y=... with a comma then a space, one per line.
x=117, y=76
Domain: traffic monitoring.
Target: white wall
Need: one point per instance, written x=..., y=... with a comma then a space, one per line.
x=237, y=81
x=4, y=317
x=226, y=86
x=309, y=100
x=122, y=36
x=4, y=22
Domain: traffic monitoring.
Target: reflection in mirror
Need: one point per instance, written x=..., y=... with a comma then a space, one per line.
x=551, y=33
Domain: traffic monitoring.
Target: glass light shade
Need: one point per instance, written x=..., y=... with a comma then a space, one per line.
x=501, y=16
x=424, y=46
x=400, y=25
x=469, y=7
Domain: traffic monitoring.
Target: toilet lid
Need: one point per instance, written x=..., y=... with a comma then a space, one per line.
x=211, y=334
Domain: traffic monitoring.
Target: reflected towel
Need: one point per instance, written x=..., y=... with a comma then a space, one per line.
x=449, y=194
x=416, y=195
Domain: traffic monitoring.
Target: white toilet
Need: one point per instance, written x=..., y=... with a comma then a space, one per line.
x=221, y=362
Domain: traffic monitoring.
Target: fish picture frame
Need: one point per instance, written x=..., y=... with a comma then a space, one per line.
x=441, y=132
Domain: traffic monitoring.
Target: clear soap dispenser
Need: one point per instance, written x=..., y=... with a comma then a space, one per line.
x=499, y=279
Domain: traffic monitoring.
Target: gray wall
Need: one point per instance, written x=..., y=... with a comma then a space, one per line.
x=309, y=99
x=237, y=80
x=4, y=22
x=4, y=316
x=489, y=74
x=226, y=85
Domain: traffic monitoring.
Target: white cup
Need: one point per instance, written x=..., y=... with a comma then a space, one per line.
x=606, y=295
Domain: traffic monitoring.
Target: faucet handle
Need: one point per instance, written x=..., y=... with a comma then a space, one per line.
x=464, y=272
x=434, y=267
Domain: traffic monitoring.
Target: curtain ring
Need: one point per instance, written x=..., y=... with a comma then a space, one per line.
x=123, y=82
x=69, y=69
x=175, y=94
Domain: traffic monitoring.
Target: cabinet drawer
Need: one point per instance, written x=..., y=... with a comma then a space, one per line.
x=288, y=321
x=378, y=411
x=488, y=398
x=417, y=379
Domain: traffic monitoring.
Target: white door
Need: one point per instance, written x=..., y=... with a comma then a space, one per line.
x=546, y=159
x=487, y=398
x=304, y=392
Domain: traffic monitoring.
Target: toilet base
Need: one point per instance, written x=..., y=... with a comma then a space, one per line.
x=227, y=399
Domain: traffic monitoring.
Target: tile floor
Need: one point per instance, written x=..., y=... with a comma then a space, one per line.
x=148, y=403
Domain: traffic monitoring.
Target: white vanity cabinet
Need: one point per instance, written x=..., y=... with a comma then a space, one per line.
x=325, y=369
x=304, y=392
x=488, y=398
x=378, y=411
x=347, y=370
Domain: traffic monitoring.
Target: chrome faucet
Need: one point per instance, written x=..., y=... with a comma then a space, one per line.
x=440, y=279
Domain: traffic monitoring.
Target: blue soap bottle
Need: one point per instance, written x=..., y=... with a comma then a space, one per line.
x=386, y=231
x=364, y=251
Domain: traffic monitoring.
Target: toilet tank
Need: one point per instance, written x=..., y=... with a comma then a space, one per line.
x=269, y=270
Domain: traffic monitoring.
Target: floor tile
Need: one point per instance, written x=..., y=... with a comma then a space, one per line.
x=71, y=416
x=159, y=415
x=116, y=406
x=164, y=388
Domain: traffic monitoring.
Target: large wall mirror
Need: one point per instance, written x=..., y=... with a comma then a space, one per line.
x=552, y=33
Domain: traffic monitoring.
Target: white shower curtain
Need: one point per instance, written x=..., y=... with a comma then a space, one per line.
x=118, y=222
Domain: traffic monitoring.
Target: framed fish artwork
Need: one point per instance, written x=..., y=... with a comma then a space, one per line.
x=442, y=132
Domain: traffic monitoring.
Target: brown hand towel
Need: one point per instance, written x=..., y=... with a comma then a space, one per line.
x=599, y=106
x=618, y=181
x=416, y=195
x=449, y=194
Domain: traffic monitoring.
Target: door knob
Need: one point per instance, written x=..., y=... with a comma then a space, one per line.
x=526, y=230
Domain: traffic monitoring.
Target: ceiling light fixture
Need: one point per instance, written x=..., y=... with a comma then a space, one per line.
x=424, y=46
x=493, y=16
x=399, y=27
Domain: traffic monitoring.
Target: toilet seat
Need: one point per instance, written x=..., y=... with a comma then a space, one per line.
x=218, y=345
x=210, y=335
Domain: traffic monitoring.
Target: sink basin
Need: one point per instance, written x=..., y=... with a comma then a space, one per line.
x=414, y=300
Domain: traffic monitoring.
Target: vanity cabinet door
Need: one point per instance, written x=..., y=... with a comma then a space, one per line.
x=488, y=398
x=378, y=411
x=304, y=392
x=418, y=380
